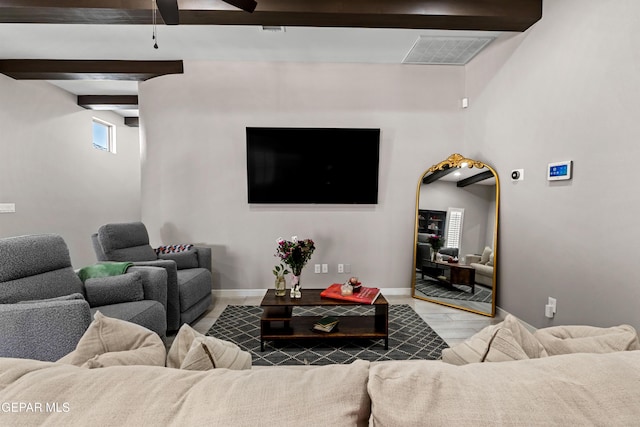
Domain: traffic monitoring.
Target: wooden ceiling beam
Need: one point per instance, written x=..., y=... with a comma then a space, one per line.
x=487, y=15
x=437, y=175
x=475, y=178
x=108, y=102
x=55, y=69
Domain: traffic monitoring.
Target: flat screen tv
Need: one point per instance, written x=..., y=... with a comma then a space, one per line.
x=313, y=165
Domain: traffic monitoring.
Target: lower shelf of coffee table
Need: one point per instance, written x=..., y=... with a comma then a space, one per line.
x=301, y=327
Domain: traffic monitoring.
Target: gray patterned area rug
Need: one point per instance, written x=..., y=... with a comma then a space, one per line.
x=433, y=288
x=409, y=338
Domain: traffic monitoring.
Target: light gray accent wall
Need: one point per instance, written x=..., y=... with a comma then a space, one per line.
x=194, y=162
x=566, y=89
x=474, y=199
x=50, y=170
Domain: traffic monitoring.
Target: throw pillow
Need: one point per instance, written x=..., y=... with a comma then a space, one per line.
x=490, y=262
x=587, y=339
x=527, y=341
x=111, y=342
x=114, y=289
x=472, y=350
x=166, y=249
x=503, y=347
x=484, y=258
x=507, y=340
x=183, y=259
x=192, y=350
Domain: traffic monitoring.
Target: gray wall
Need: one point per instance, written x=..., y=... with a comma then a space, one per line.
x=567, y=89
x=50, y=170
x=474, y=199
x=194, y=162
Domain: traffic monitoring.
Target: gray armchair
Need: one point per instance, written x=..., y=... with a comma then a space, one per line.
x=189, y=280
x=43, y=303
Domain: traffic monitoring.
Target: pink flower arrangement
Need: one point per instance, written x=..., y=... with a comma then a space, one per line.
x=295, y=253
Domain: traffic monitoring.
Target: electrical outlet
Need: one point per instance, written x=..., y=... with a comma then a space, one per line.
x=340, y=268
x=548, y=311
x=550, y=308
x=325, y=268
x=316, y=268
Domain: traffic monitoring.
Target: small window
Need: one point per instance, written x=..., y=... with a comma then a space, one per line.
x=455, y=217
x=104, y=136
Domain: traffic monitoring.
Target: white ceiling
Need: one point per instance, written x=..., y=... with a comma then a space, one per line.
x=216, y=43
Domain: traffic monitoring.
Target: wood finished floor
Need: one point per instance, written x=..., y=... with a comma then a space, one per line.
x=454, y=326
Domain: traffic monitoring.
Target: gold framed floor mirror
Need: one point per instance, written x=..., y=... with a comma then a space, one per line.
x=456, y=235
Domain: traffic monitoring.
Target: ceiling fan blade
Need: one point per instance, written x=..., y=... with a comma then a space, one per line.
x=246, y=5
x=169, y=11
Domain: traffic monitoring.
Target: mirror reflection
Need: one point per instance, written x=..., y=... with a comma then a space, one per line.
x=456, y=235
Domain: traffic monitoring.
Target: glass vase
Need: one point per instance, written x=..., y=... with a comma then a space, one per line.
x=295, y=287
x=281, y=286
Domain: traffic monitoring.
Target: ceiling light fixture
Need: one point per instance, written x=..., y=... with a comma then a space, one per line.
x=154, y=8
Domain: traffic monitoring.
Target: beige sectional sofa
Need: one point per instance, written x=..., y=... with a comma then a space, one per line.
x=108, y=381
x=573, y=389
x=483, y=264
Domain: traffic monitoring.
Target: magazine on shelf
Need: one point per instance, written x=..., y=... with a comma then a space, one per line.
x=365, y=296
x=326, y=324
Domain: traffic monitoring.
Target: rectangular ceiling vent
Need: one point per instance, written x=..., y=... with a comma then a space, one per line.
x=274, y=28
x=432, y=50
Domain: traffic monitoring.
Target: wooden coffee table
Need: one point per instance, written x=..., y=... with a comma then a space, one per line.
x=453, y=273
x=277, y=322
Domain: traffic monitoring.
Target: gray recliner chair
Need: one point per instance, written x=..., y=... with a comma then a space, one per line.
x=189, y=281
x=44, y=307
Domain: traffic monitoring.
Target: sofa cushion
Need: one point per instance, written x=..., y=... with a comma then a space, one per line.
x=126, y=242
x=51, y=284
x=587, y=339
x=62, y=298
x=114, y=289
x=194, y=284
x=574, y=389
x=149, y=314
x=481, y=269
x=184, y=259
x=334, y=395
x=492, y=344
x=195, y=351
x=505, y=341
x=486, y=253
x=111, y=342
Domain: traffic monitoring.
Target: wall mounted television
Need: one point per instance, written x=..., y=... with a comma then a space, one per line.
x=313, y=165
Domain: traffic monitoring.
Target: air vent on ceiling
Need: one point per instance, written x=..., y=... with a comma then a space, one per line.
x=274, y=28
x=445, y=50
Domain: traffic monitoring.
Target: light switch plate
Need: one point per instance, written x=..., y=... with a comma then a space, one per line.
x=7, y=207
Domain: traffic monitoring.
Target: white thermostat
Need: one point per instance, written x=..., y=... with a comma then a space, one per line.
x=559, y=171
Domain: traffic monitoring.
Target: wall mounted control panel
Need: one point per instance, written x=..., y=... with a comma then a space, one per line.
x=559, y=171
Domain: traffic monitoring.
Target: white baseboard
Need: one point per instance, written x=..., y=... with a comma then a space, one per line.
x=237, y=293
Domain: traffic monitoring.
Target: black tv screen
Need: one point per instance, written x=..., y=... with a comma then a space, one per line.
x=313, y=165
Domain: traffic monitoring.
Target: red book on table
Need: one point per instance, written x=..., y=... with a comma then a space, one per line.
x=365, y=296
